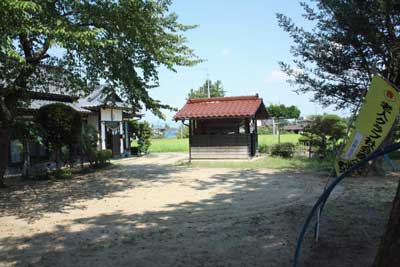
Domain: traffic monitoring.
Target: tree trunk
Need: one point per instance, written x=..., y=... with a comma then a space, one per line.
x=389, y=249
x=71, y=155
x=57, y=151
x=81, y=156
x=5, y=135
x=26, y=168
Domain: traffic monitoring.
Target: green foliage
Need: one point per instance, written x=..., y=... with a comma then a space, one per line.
x=26, y=130
x=144, y=136
x=133, y=128
x=102, y=157
x=351, y=40
x=98, y=43
x=284, y=150
x=60, y=174
x=142, y=132
x=60, y=125
x=263, y=148
x=283, y=112
x=324, y=132
x=135, y=150
x=183, y=132
x=88, y=142
x=264, y=130
x=65, y=153
x=216, y=90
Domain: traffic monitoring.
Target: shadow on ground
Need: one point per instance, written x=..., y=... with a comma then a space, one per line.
x=253, y=221
x=32, y=199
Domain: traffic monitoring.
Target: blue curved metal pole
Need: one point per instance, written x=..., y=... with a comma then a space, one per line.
x=325, y=195
x=388, y=160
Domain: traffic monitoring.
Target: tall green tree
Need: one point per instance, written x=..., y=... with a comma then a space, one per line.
x=336, y=59
x=60, y=126
x=283, y=112
x=325, y=131
x=280, y=113
x=141, y=131
x=88, y=140
x=26, y=131
x=216, y=90
x=350, y=41
x=79, y=43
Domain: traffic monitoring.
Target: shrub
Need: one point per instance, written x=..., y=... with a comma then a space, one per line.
x=60, y=125
x=59, y=174
x=134, y=150
x=144, y=136
x=142, y=132
x=103, y=156
x=324, y=132
x=285, y=150
x=88, y=142
x=263, y=148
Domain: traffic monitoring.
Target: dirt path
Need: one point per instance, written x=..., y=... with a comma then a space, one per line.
x=147, y=212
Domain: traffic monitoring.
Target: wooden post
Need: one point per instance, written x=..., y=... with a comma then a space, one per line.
x=255, y=136
x=190, y=140
x=247, y=132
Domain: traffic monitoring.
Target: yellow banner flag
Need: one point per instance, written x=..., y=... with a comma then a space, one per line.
x=372, y=125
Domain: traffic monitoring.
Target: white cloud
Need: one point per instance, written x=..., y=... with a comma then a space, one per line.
x=276, y=76
x=225, y=52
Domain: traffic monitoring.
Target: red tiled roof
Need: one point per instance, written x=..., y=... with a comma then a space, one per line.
x=221, y=107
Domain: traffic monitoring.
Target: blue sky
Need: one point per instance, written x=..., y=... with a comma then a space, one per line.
x=242, y=45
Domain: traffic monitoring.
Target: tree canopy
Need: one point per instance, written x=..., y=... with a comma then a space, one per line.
x=350, y=41
x=324, y=131
x=119, y=42
x=283, y=112
x=73, y=45
x=60, y=125
x=141, y=131
x=216, y=90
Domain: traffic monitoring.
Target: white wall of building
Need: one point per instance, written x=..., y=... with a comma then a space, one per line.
x=108, y=114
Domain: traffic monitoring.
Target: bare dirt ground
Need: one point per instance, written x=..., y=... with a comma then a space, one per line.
x=148, y=212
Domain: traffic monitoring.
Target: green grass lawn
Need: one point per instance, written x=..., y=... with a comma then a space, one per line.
x=169, y=145
x=268, y=162
x=182, y=145
x=298, y=162
x=269, y=139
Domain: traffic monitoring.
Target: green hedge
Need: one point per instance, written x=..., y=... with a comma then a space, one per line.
x=103, y=156
x=285, y=150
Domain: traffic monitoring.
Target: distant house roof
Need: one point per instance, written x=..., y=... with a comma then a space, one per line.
x=99, y=98
x=52, y=96
x=294, y=127
x=37, y=104
x=223, y=107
